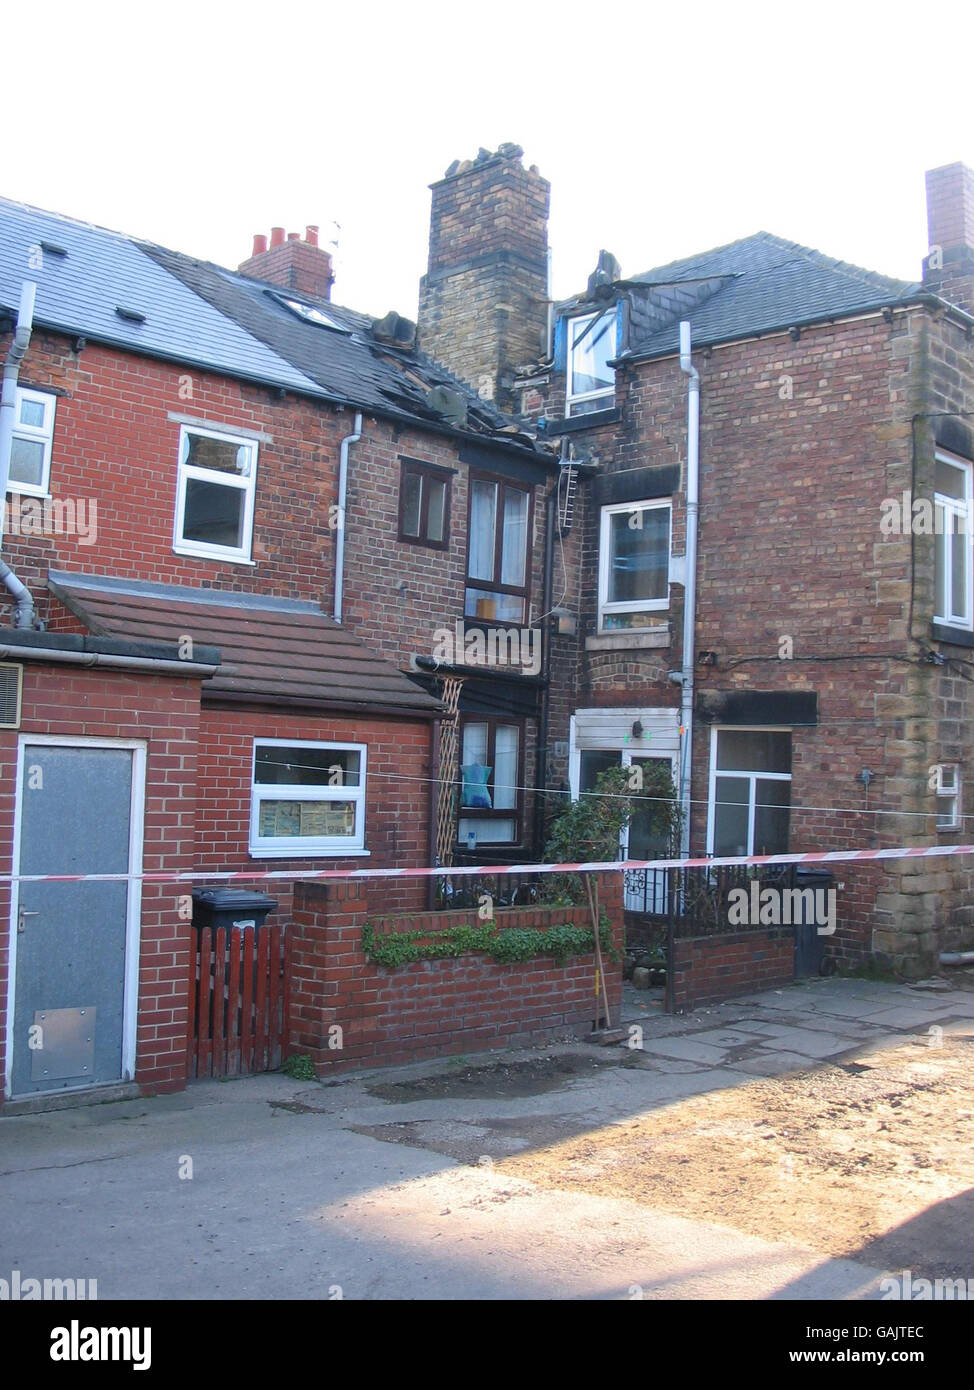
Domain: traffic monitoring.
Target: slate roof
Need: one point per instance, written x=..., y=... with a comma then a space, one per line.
x=202, y=315
x=80, y=292
x=754, y=285
x=272, y=651
x=351, y=366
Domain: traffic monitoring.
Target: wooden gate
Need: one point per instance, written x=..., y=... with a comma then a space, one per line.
x=238, y=1001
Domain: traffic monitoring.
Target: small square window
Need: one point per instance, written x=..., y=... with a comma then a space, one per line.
x=947, y=786
x=215, y=494
x=307, y=798
x=424, y=504
x=33, y=436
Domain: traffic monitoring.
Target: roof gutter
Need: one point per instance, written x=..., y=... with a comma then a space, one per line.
x=918, y=301
x=159, y=666
x=689, y=579
x=8, y=416
x=347, y=443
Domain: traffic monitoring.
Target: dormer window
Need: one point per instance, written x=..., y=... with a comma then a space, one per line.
x=591, y=346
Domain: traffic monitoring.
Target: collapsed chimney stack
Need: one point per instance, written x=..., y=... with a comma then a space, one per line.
x=483, y=301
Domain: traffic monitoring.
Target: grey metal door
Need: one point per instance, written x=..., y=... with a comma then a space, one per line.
x=69, y=992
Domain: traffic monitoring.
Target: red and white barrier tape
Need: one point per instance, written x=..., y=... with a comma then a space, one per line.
x=841, y=856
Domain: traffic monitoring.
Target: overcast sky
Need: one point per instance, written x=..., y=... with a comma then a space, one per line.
x=664, y=129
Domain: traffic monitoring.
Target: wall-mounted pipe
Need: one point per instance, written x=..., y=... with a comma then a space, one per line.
x=690, y=576
x=8, y=419
x=347, y=443
x=161, y=665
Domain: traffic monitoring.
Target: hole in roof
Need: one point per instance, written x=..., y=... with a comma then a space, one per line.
x=52, y=248
x=310, y=313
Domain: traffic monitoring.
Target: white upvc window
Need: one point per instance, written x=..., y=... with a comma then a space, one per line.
x=307, y=798
x=634, y=563
x=953, y=542
x=590, y=347
x=215, y=494
x=750, y=791
x=948, y=796
x=33, y=437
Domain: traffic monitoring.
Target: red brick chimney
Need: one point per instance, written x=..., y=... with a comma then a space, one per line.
x=948, y=267
x=291, y=262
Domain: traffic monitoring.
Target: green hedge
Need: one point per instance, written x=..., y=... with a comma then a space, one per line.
x=508, y=945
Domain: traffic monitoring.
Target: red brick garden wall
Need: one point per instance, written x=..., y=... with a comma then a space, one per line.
x=708, y=969
x=434, y=1007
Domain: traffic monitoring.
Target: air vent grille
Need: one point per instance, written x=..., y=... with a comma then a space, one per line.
x=11, y=677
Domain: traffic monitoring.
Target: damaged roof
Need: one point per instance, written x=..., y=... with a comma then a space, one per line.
x=347, y=362
x=115, y=289
x=272, y=651
x=756, y=285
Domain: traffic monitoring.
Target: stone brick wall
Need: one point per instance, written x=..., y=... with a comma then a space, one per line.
x=483, y=300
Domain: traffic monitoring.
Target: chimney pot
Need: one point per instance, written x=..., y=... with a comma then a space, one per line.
x=311, y=235
x=260, y=244
x=277, y=236
x=294, y=236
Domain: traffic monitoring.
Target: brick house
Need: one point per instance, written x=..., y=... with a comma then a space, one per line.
x=829, y=685
x=237, y=519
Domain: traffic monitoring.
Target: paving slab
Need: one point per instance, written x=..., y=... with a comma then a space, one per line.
x=686, y=1049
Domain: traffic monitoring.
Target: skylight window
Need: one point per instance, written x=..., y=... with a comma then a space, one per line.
x=311, y=315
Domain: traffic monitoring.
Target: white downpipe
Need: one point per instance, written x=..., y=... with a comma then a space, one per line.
x=8, y=419
x=347, y=443
x=690, y=577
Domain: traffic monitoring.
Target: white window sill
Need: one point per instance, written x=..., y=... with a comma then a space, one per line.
x=208, y=555
x=24, y=491
x=309, y=853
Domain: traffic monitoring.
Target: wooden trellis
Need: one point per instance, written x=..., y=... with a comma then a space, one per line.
x=446, y=809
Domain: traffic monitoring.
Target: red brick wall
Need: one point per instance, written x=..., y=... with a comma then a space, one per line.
x=116, y=448
x=396, y=796
x=429, y=1008
x=164, y=712
x=707, y=969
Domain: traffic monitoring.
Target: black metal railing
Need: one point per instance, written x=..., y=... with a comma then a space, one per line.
x=463, y=891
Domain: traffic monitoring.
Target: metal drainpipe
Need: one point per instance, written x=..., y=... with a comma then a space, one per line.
x=347, y=443
x=8, y=415
x=690, y=578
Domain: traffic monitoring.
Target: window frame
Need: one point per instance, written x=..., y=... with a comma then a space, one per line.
x=754, y=778
x=34, y=434
x=955, y=507
x=425, y=472
x=952, y=794
x=572, y=326
x=607, y=609
x=281, y=847
x=515, y=812
x=495, y=585
x=243, y=483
